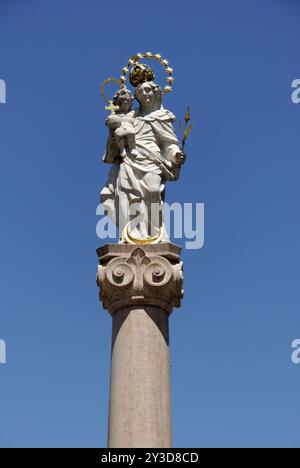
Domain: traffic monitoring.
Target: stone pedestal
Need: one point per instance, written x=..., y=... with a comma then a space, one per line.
x=139, y=286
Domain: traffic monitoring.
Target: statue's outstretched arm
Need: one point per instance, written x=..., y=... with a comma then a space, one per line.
x=169, y=142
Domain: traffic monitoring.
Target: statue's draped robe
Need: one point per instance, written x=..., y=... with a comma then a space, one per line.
x=156, y=148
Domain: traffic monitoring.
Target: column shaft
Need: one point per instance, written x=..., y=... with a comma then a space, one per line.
x=140, y=403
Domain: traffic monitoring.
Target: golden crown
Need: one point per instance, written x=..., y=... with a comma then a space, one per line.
x=140, y=73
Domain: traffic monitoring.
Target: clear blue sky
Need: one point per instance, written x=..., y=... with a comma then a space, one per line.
x=233, y=383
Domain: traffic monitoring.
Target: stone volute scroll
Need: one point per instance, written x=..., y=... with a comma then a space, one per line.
x=140, y=276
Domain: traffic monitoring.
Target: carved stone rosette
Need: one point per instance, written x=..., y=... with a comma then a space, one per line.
x=130, y=275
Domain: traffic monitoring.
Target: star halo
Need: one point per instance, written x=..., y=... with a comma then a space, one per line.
x=135, y=59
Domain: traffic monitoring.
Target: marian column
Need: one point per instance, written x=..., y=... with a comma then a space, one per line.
x=140, y=278
x=139, y=286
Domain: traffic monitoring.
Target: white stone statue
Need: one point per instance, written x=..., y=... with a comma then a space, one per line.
x=144, y=152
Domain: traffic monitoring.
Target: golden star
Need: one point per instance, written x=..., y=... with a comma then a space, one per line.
x=124, y=70
x=157, y=56
x=122, y=78
x=148, y=54
x=170, y=79
x=169, y=70
x=130, y=62
x=165, y=62
x=167, y=89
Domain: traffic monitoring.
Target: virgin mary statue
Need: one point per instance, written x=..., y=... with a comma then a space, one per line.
x=145, y=153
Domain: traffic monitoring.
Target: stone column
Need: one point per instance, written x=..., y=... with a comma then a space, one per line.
x=139, y=286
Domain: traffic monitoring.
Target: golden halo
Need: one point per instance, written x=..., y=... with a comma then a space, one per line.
x=105, y=82
x=151, y=240
x=135, y=59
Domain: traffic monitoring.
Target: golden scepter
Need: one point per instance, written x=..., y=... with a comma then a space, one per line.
x=187, y=128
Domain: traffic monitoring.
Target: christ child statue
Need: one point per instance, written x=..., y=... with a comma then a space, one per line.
x=121, y=124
